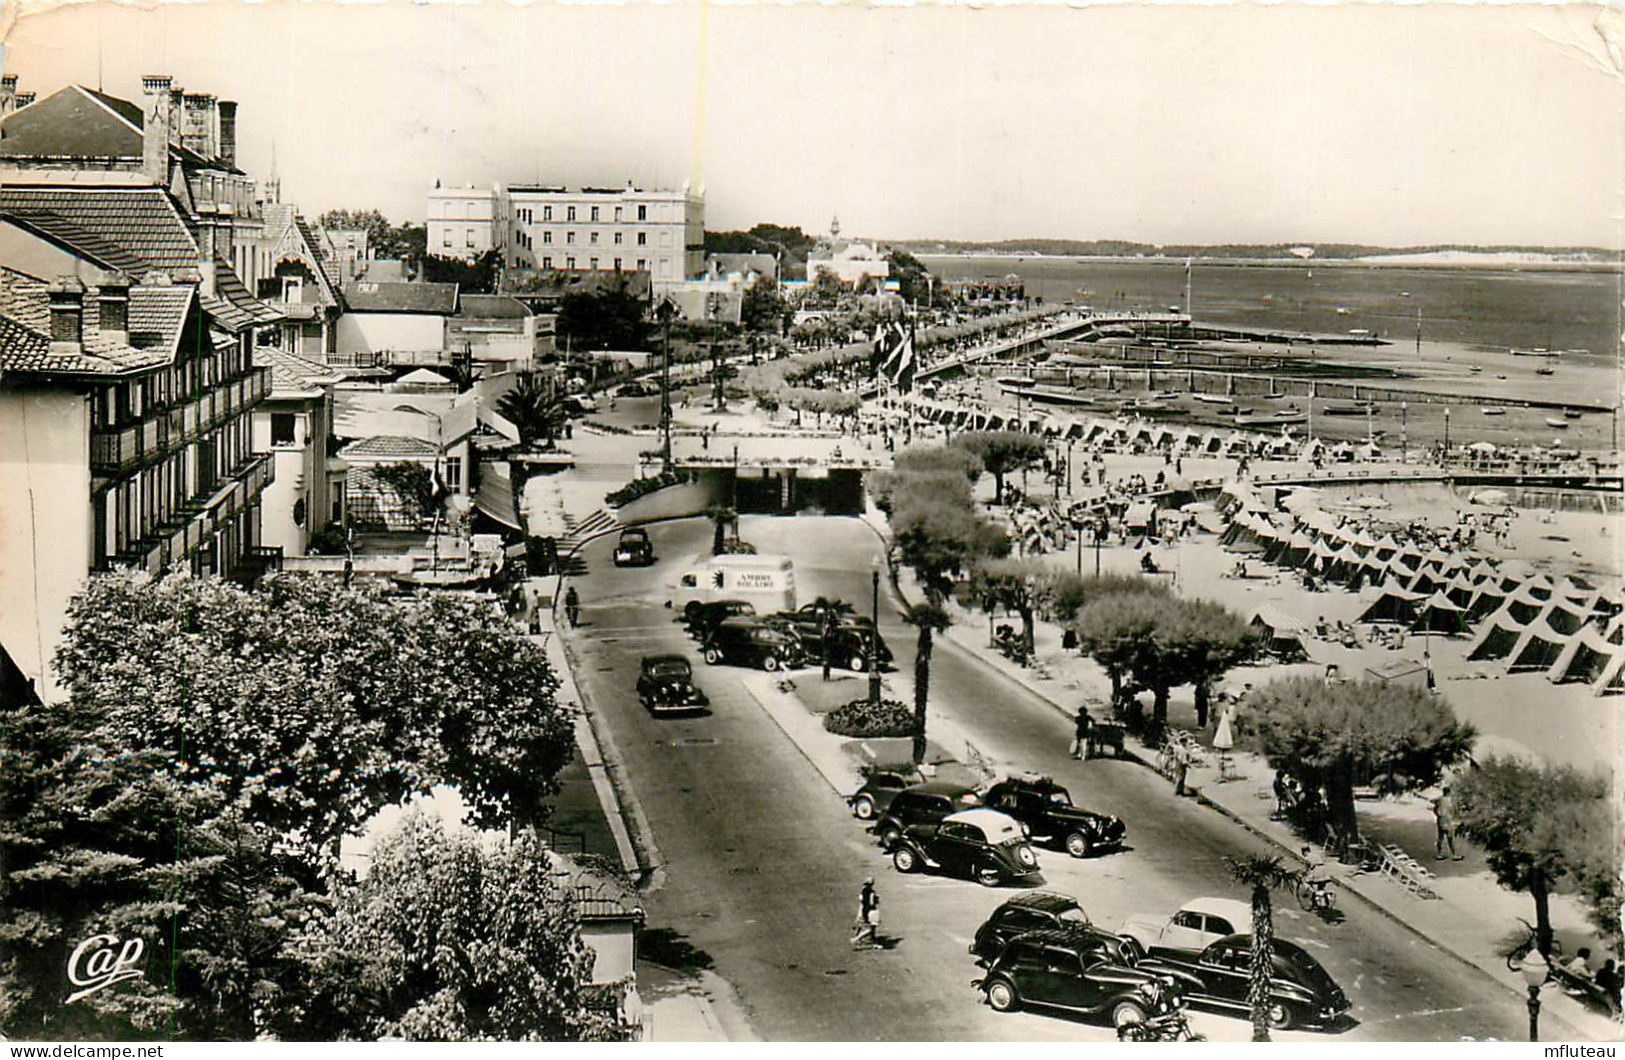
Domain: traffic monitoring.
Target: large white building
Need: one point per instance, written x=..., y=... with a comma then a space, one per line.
x=462, y=221
x=554, y=228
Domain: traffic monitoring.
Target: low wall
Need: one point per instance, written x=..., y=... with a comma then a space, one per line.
x=675, y=502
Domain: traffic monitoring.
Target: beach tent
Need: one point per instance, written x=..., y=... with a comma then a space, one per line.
x=1344, y=565
x=1537, y=649
x=1319, y=556
x=1523, y=607
x=1584, y=658
x=1279, y=634
x=1611, y=682
x=1139, y=518
x=1409, y=559
x=1440, y=615
x=1394, y=605
x=1371, y=572
x=1461, y=591
x=1496, y=638
x=1540, y=586
x=1425, y=582
x=1562, y=619
x=1292, y=551
x=1364, y=543
x=1387, y=547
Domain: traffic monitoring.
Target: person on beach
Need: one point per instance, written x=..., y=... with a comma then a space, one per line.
x=1083, y=735
x=866, y=930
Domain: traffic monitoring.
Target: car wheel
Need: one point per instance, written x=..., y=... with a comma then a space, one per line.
x=988, y=877
x=904, y=860
x=889, y=837
x=1127, y=1012
x=864, y=808
x=713, y=656
x=857, y=664
x=770, y=663
x=1078, y=845
x=1280, y=1015
x=691, y=611
x=1001, y=996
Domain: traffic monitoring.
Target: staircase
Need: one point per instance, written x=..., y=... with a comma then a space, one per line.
x=577, y=531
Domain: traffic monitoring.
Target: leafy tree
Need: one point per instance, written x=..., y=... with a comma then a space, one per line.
x=1117, y=619
x=536, y=409
x=445, y=940
x=827, y=287
x=412, y=483
x=1261, y=875
x=408, y=242
x=472, y=277
x=722, y=516
x=1001, y=453
x=95, y=841
x=924, y=459
x=1539, y=824
x=315, y=704
x=1333, y=735
x=915, y=282
x=610, y=318
x=762, y=308
x=1017, y=585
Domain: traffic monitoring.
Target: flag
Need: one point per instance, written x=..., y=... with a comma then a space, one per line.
x=903, y=362
x=882, y=340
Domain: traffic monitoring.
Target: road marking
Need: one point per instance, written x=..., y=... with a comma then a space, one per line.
x=1420, y=1015
x=1315, y=942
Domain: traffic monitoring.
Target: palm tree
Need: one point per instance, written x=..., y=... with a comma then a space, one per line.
x=1263, y=875
x=534, y=407
x=721, y=517
x=930, y=619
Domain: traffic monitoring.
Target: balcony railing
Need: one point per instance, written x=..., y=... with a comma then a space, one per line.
x=164, y=432
x=197, y=519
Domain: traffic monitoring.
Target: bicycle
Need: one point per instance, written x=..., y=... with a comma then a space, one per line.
x=1316, y=895
x=1518, y=945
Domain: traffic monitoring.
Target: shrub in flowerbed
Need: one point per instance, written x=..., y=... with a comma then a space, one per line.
x=890, y=717
x=643, y=487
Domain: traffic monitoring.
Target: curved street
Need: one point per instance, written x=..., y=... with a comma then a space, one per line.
x=761, y=862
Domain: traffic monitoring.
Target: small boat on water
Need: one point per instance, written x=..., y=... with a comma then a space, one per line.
x=1404, y=294
x=1357, y=408
x=1274, y=419
x=1359, y=332
x=1214, y=399
x=1019, y=382
x=1561, y=425
x=1047, y=395
x=1545, y=371
x=1493, y=412
x=1343, y=310
x=1474, y=368
x=1538, y=351
x=1571, y=414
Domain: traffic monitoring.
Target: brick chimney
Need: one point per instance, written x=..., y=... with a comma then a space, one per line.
x=197, y=125
x=8, y=94
x=113, y=308
x=24, y=99
x=67, y=296
x=155, y=129
x=228, y=132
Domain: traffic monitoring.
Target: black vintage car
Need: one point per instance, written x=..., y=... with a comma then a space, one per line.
x=749, y=642
x=634, y=548
x=1301, y=992
x=1035, y=911
x=1046, y=808
x=666, y=685
x=925, y=803
x=979, y=844
x=880, y=787
x=701, y=619
x=1061, y=970
x=851, y=644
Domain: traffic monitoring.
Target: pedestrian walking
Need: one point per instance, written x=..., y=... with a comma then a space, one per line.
x=1083, y=735
x=1444, y=818
x=1182, y=760
x=572, y=606
x=1283, y=796
x=866, y=930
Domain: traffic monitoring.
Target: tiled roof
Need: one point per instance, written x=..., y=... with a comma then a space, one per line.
x=605, y=901
x=314, y=242
x=293, y=375
x=80, y=122
x=59, y=229
x=389, y=446
x=232, y=305
x=141, y=220
x=491, y=307
x=156, y=317
x=367, y=297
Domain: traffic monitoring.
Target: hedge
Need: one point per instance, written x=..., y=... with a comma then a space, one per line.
x=890, y=717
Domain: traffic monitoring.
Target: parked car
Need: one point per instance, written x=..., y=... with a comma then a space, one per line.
x=853, y=645
x=1061, y=970
x=925, y=803
x=666, y=685
x=981, y=844
x=1301, y=992
x=1198, y=924
x=750, y=642
x=1032, y=911
x=701, y=619
x=880, y=787
x=634, y=549
x=579, y=404
x=1046, y=808
x=637, y=388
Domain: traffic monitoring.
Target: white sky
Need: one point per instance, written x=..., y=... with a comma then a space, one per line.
x=1388, y=125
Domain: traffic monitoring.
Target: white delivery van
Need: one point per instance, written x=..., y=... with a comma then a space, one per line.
x=767, y=582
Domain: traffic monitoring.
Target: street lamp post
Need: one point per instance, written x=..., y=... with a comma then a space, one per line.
x=1404, y=428
x=874, y=646
x=1446, y=458
x=663, y=313
x=1535, y=973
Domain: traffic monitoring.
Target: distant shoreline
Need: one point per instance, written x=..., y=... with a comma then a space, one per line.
x=1437, y=260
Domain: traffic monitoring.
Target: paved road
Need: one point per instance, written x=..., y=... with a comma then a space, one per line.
x=763, y=861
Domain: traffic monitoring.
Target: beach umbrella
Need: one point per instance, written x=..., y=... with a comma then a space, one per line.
x=1482, y=447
